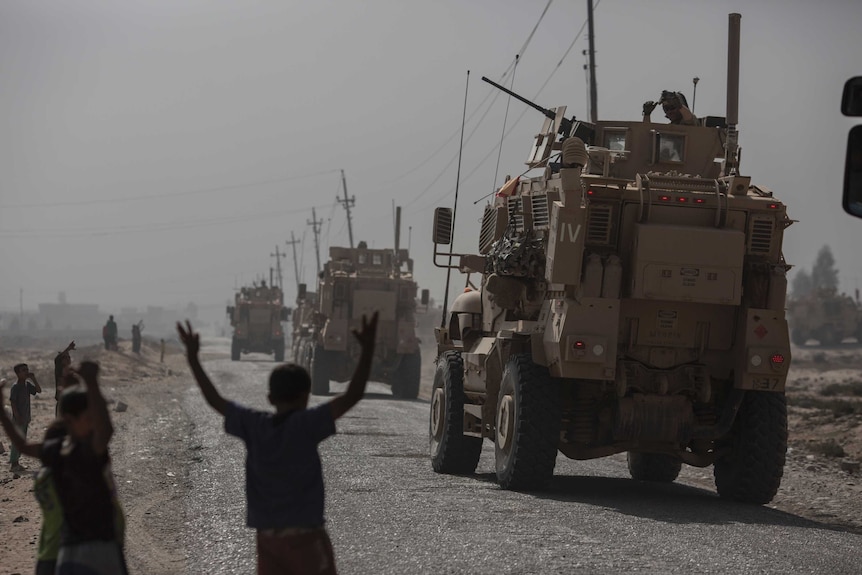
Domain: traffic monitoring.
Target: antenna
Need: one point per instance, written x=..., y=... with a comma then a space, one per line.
x=278, y=255
x=457, y=186
x=292, y=243
x=347, y=203
x=315, y=227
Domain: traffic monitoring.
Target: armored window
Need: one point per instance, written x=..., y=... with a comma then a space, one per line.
x=670, y=148
x=363, y=259
x=376, y=259
x=615, y=140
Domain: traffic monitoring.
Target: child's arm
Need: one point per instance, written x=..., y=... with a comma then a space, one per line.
x=193, y=344
x=32, y=377
x=103, y=429
x=20, y=443
x=356, y=389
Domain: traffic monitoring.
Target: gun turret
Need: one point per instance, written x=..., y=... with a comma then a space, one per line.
x=565, y=125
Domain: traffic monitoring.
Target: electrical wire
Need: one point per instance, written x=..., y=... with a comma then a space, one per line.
x=54, y=204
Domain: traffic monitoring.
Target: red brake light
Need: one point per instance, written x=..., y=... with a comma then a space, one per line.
x=777, y=358
x=682, y=200
x=699, y=200
x=773, y=206
x=664, y=198
x=580, y=345
x=590, y=192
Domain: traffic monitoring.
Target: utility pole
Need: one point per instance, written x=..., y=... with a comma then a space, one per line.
x=278, y=255
x=292, y=243
x=21, y=309
x=594, y=112
x=315, y=227
x=347, y=203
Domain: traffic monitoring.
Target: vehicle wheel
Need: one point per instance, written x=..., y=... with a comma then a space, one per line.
x=656, y=467
x=798, y=337
x=319, y=371
x=279, y=350
x=527, y=425
x=235, y=349
x=406, y=382
x=451, y=451
x=751, y=471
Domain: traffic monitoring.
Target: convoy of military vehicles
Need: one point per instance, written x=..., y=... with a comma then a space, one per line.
x=631, y=299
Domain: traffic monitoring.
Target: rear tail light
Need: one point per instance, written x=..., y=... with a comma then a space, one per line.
x=777, y=359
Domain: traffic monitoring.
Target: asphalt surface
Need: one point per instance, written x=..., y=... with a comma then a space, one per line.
x=388, y=512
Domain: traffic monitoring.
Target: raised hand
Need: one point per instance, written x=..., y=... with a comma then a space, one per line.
x=367, y=335
x=190, y=338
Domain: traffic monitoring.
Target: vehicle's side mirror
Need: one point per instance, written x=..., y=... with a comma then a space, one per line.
x=229, y=310
x=443, y=226
x=285, y=312
x=851, y=105
x=426, y=296
x=301, y=291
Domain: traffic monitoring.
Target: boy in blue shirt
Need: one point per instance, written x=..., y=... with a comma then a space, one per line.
x=284, y=478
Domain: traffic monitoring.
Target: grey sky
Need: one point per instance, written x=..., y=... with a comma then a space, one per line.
x=156, y=152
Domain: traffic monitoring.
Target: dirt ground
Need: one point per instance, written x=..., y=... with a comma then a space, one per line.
x=153, y=451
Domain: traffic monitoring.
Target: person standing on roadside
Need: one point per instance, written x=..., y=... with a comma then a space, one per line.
x=19, y=399
x=62, y=363
x=284, y=477
x=109, y=332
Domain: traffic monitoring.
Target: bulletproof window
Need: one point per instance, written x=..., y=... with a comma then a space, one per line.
x=376, y=259
x=615, y=139
x=363, y=259
x=670, y=147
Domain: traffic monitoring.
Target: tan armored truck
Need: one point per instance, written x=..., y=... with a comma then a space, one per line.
x=256, y=318
x=632, y=300
x=354, y=282
x=824, y=315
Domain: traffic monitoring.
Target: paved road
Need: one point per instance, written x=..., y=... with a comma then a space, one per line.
x=389, y=513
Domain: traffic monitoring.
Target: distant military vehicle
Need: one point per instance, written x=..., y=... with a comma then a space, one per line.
x=256, y=318
x=632, y=299
x=355, y=282
x=824, y=315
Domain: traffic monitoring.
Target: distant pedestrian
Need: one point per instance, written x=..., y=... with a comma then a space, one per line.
x=109, y=332
x=284, y=478
x=162, y=350
x=62, y=363
x=80, y=464
x=19, y=399
x=136, y=336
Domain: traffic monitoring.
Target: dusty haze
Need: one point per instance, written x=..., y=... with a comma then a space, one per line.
x=155, y=153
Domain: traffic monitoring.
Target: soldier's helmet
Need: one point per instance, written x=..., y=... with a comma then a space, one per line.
x=672, y=99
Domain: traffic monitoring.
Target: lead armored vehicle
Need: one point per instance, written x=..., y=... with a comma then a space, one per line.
x=632, y=300
x=256, y=318
x=354, y=282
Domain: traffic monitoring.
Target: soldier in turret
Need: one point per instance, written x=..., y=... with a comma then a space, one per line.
x=675, y=108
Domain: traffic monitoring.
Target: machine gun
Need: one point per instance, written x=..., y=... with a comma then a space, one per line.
x=566, y=124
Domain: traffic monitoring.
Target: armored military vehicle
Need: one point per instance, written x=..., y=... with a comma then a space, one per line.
x=354, y=282
x=256, y=318
x=824, y=315
x=632, y=300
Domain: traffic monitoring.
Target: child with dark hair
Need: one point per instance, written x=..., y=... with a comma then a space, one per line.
x=79, y=462
x=19, y=399
x=284, y=478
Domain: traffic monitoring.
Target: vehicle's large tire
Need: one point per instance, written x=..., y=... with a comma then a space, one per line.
x=799, y=337
x=452, y=452
x=406, y=381
x=752, y=468
x=319, y=371
x=657, y=467
x=279, y=350
x=527, y=425
x=235, y=349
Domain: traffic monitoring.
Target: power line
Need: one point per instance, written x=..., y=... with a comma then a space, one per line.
x=53, y=204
